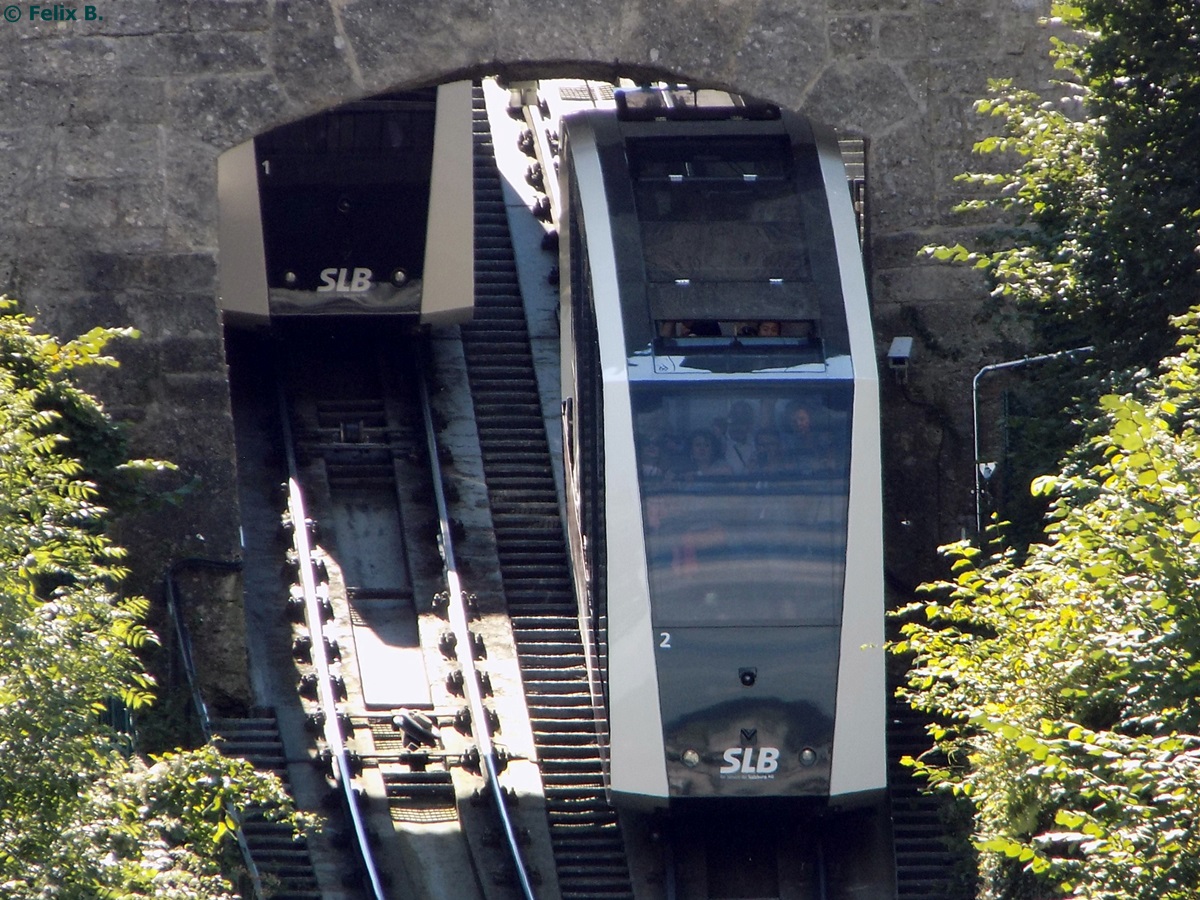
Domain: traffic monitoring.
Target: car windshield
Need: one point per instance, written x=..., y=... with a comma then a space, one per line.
x=745, y=491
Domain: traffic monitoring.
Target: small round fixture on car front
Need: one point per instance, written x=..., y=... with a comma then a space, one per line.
x=399, y=276
x=289, y=278
x=690, y=758
x=747, y=677
x=808, y=756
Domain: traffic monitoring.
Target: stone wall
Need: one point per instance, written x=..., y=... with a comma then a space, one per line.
x=112, y=123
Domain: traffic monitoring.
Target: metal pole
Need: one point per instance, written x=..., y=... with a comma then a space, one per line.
x=995, y=367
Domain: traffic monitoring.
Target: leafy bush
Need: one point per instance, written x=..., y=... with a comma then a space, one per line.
x=83, y=818
x=1099, y=183
x=1066, y=688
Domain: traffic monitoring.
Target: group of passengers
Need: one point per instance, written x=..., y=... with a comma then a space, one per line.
x=802, y=330
x=738, y=445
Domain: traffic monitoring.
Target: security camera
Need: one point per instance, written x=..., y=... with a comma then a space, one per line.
x=898, y=356
x=900, y=352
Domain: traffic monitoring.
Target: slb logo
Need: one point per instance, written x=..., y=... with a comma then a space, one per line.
x=345, y=281
x=748, y=761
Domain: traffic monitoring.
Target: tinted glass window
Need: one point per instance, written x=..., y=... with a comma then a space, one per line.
x=724, y=210
x=740, y=226
x=745, y=491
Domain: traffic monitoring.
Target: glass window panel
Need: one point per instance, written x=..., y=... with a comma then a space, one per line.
x=745, y=490
x=726, y=210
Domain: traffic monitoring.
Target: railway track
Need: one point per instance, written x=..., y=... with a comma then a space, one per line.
x=357, y=462
x=357, y=455
x=429, y=733
x=534, y=567
x=397, y=686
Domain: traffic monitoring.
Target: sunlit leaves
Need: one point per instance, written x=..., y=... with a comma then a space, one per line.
x=1050, y=202
x=1096, y=181
x=1066, y=689
x=81, y=818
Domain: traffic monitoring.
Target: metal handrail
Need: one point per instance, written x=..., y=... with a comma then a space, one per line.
x=457, y=615
x=184, y=640
x=996, y=367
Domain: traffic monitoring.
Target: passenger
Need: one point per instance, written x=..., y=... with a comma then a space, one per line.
x=797, y=426
x=769, y=458
x=759, y=329
x=807, y=453
x=700, y=328
x=705, y=456
x=768, y=329
x=805, y=330
x=736, y=432
x=698, y=546
x=650, y=461
x=678, y=540
x=660, y=510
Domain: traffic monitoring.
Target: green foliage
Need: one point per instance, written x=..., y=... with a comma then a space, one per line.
x=80, y=818
x=44, y=366
x=1066, y=688
x=1143, y=67
x=158, y=828
x=1047, y=192
x=1065, y=684
x=1050, y=201
x=1097, y=184
x=1100, y=184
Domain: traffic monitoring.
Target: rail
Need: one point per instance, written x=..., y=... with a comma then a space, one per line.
x=457, y=615
x=326, y=693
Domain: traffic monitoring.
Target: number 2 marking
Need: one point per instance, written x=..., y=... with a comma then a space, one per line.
x=664, y=640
